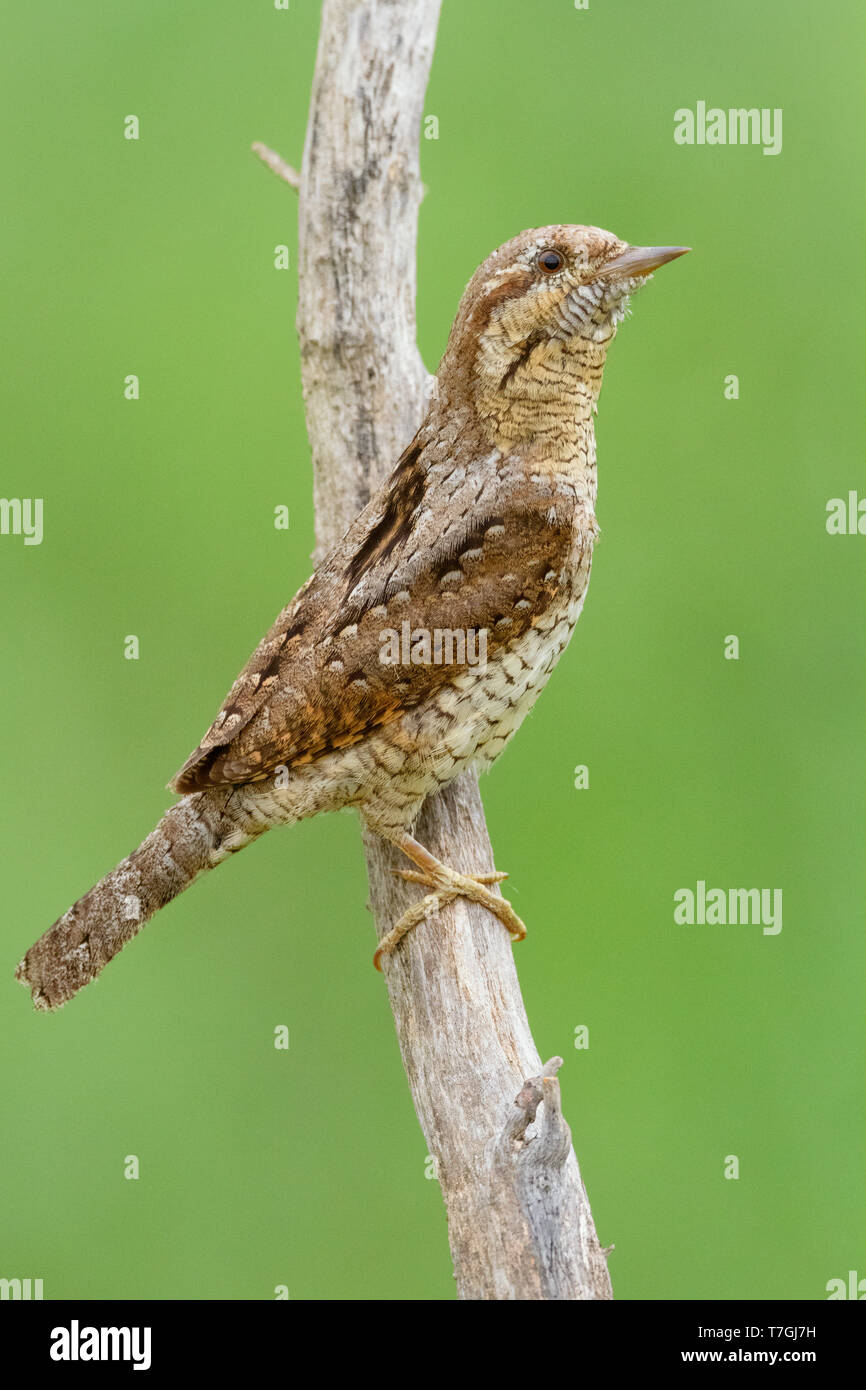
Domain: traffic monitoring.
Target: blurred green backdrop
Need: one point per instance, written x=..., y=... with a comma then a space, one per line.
x=307, y=1168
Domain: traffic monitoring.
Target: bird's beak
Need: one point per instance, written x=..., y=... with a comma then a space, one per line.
x=636, y=261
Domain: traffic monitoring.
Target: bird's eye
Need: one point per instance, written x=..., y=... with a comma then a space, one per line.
x=550, y=261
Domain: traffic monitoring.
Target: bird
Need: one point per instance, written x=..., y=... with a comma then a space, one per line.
x=484, y=531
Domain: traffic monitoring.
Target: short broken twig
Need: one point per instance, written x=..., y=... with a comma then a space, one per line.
x=277, y=164
x=553, y=1142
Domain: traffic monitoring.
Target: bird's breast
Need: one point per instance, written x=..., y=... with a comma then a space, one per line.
x=479, y=711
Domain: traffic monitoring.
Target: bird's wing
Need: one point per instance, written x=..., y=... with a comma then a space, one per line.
x=325, y=676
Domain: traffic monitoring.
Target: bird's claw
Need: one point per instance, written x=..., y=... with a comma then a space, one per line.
x=446, y=888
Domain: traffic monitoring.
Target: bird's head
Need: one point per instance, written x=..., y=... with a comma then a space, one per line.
x=538, y=315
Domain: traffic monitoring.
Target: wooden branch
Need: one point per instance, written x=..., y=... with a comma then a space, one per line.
x=519, y=1221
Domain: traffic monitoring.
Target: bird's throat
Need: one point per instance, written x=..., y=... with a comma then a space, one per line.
x=539, y=399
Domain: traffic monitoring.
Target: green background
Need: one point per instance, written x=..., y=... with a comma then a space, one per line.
x=307, y=1167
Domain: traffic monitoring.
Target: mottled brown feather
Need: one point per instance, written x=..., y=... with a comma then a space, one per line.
x=507, y=443
x=316, y=683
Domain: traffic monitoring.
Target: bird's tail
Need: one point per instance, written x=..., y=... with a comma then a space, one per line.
x=196, y=834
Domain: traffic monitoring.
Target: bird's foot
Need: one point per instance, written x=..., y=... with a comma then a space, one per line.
x=447, y=885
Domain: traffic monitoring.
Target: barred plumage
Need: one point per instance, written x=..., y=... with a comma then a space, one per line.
x=486, y=526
